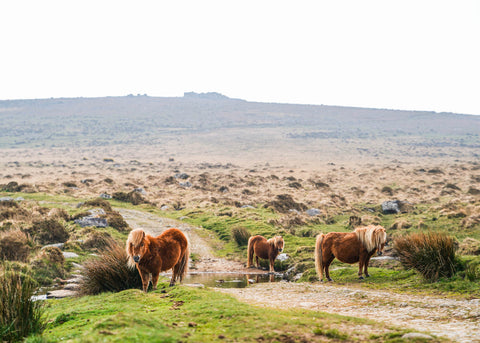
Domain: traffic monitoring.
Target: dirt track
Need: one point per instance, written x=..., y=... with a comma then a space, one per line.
x=458, y=320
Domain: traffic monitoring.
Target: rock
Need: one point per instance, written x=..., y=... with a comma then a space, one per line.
x=164, y=208
x=185, y=184
x=140, y=190
x=68, y=254
x=56, y=245
x=105, y=196
x=60, y=293
x=6, y=199
x=313, y=212
x=247, y=206
x=282, y=257
x=416, y=335
x=182, y=176
x=390, y=207
x=91, y=221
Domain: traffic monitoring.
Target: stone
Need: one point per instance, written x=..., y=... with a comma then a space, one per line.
x=140, y=190
x=105, y=196
x=185, y=184
x=312, y=212
x=416, y=335
x=68, y=254
x=390, y=207
x=282, y=257
x=91, y=221
x=182, y=176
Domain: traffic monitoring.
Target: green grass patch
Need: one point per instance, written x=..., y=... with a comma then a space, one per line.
x=193, y=315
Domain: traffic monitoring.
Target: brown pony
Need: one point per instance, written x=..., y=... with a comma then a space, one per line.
x=349, y=247
x=262, y=248
x=152, y=255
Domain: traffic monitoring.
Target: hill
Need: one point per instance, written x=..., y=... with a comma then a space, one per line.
x=211, y=125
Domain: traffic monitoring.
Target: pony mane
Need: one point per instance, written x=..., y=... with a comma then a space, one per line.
x=371, y=236
x=275, y=240
x=135, y=237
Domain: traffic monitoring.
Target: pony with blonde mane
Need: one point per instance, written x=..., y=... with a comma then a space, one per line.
x=265, y=249
x=349, y=247
x=152, y=255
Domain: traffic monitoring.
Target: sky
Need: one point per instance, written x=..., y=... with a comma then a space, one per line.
x=411, y=55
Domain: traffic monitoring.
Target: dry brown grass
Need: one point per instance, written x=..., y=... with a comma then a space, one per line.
x=14, y=246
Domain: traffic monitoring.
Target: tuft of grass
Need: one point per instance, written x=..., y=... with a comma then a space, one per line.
x=20, y=315
x=240, y=235
x=432, y=254
x=14, y=246
x=109, y=272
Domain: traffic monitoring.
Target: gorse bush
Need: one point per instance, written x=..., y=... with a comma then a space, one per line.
x=432, y=254
x=20, y=316
x=240, y=235
x=109, y=272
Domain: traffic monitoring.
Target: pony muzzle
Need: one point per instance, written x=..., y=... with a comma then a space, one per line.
x=136, y=258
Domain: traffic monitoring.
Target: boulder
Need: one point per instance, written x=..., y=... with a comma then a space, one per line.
x=396, y=206
x=91, y=221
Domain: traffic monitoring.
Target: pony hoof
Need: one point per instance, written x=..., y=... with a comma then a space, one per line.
x=361, y=278
x=367, y=275
x=330, y=279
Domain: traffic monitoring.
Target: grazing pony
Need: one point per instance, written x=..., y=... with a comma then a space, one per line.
x=262, y=248
x=349, y=247
x=152, y=255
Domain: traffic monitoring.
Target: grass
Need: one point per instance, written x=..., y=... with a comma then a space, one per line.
x=20, y=316
x=195, y=315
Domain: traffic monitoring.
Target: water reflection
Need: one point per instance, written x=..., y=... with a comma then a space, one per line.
x=230, y=280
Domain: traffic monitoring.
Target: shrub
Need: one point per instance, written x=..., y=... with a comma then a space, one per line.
x=133, y=197
x=20, y=316
x=14, y=246
x=240, y=235
x=99, y=202
x=109, y=272
x=116, y=221
x=96, y=240
x=432, y=254
x=49, y=231
x=283, y=203
x=48, y=265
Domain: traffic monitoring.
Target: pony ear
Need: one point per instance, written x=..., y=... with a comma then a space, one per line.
x=143, y=235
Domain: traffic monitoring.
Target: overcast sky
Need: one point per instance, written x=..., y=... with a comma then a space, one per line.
x=416, y=55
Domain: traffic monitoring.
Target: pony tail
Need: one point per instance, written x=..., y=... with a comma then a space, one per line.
x=319, y=256
x=250, y=252
x=183, y=270
x=130, y=262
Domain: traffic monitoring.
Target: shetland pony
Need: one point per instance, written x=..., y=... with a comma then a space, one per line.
x=152, y=255
x=349, y=247
x=262, y=248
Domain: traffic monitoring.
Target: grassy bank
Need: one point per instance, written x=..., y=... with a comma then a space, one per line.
x=184, y=314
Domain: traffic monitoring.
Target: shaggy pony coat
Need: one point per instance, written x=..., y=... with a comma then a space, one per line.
x=263, y=248
x=349, y=247
x=152, y=255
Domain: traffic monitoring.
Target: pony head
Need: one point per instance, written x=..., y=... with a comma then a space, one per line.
x=136, y=246
x=372, y=237
x=278, y=243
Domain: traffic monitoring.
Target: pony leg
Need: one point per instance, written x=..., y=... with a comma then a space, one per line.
x=360, y=267
x=155, y=280
x=272, y=263
x=145, y=280
x=327, y=265
x=366, y=267
x=258, y=264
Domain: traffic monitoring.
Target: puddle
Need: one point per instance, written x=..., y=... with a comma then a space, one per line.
x=230, y=280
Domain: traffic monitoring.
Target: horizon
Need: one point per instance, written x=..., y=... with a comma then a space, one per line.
x=408, y=55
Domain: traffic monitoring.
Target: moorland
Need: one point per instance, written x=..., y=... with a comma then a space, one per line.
x=220, y=165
